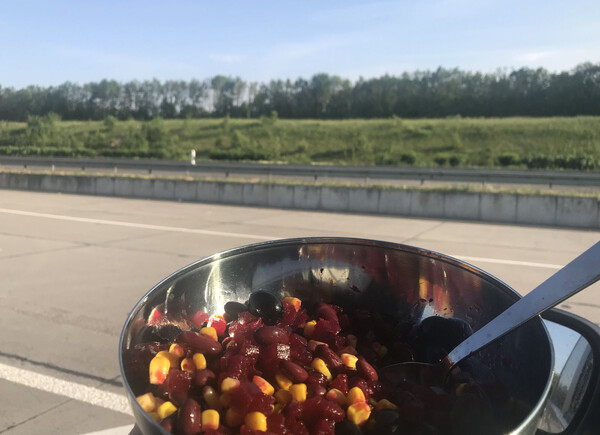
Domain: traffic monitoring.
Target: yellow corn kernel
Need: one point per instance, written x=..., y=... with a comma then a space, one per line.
x=460, y=388
x=173, y=358
x=177, y=349
x=210, y=419
x=295, y=302
x=256, y=421
x=355, y=395
x=199, y=361
x=283, y=381
x=319, y=365
x=337, y=396
x=358, y=413
x=264, y=386
x=309, y=328
x=159, y=368
x=188, y=365
x=154, y=416
x=384, y=404
x=232, y=418
x=209, y=331
x=212, y=398
x=147, y=402
x=298, y=392
x=229, y=384
x=383, y=350
x=165, y=410
x=351, y=340
x=283, y=396
x=349, y=360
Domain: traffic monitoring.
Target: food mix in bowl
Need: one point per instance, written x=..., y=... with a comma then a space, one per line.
x=280, y=367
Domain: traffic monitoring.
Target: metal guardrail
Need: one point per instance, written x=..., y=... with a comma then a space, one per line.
x=502, y=176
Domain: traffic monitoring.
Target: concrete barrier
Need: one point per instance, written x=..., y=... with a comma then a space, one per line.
x=516, y=208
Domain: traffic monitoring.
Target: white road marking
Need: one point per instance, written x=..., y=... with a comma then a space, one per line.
x=72, y=390
x=134, y=225
x=237, y=235
x=509, y=262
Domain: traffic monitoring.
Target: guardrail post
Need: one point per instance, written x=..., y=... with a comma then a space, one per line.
x=192, y=157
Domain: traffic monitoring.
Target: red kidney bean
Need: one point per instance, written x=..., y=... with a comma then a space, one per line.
x=200, y=343
x=271, y=334
x=316, y=390
x=329, y=356
x=168, y=424
x=295, y=371
x=366, y=370
x=189, y=418
x=202, y=377
x=326, y=312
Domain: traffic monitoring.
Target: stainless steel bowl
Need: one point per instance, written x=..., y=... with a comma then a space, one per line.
x=387, y=278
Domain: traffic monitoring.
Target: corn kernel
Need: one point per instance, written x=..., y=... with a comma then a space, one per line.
x=349, y=360
x=212, y=398
x=147, y=402
x=319, y=365
x=460, y=388
x=298, y=392
x=210, y=419
x=256, y=421
x=199, y=361
x=209, y=331
x=283, y=396
x=232, y=418
x=188, y=365
x=177, y=349
x=283, y=381
x=165, y=410
x=264, y=386
x=355, y=395
x=309, y=328
x=154, y=416
x=383, y=350
x=295, y=302
x=159, y=368
x=229, y=384
x=173, y=359
x=337, y=396
x=384, y=404
x=358, y=413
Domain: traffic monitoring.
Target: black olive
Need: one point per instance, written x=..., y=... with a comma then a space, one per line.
x=233, y=308
x=266, y=306
x=346, y=427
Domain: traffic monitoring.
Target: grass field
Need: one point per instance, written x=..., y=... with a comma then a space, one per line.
x=570, y=143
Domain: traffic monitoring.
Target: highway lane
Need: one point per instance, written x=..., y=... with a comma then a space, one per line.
x=72, y=266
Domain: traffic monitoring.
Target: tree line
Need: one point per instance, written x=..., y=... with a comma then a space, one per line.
x=421, y=94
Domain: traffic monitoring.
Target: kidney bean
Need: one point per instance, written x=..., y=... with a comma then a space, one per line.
x=295, y=371
x=202, y=377
x=329, y=356
x=271, y=334
x=366, y=370
x=200, y=343
x=168, y=423
x=316, y=390
x=234, y=308
x=326, y=312
x=189, y=418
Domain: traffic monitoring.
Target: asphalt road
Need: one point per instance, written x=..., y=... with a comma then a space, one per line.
x=71, y=268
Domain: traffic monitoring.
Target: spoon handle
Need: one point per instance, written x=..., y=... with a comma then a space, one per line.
x=574, y=277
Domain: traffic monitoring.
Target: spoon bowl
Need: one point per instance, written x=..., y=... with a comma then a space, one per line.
x=580, y=273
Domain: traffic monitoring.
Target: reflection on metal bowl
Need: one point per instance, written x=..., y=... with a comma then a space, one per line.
x=386, y=278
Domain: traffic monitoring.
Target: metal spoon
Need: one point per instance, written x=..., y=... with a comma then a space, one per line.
x=574, y=277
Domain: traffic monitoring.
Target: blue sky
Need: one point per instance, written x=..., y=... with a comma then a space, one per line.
x=50, y=42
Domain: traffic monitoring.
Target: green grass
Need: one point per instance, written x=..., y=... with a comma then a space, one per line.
x=572, y=143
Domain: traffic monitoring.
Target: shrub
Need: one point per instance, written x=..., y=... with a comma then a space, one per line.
x=409, y=158
x=440, y=160
x=456, y=159
x=110, y=122
x=509, y=159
